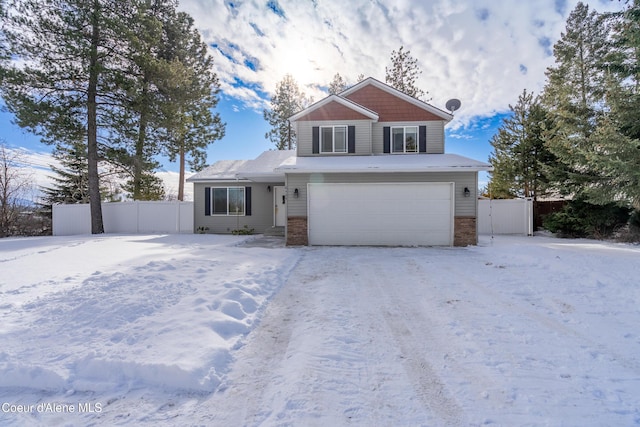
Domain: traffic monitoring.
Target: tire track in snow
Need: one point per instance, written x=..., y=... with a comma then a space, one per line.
x=402, y=316
x=321, y=356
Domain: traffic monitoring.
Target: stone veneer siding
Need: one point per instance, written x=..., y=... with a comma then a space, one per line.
x=464, y=231
x=297, y=231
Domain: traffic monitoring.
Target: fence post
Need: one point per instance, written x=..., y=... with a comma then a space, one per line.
x=529, y=207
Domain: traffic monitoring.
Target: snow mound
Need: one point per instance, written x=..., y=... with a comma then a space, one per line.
x=127, y=312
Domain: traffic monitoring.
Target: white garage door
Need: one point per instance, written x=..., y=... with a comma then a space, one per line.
x=381, y=214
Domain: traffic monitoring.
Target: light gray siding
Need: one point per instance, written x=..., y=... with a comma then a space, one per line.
x=464, y=206
x=261, y=216
x=435, y=135
x=363, y=136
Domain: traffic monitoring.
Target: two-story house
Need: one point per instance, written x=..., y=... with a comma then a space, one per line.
x=370, y=169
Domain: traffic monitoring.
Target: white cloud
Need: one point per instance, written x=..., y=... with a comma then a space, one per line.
x=484, y=52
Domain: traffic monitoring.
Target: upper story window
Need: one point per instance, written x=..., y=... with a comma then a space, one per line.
x=404, y=139
x=333, y=139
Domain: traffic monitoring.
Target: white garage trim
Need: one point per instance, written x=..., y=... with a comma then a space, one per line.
x=389, y=214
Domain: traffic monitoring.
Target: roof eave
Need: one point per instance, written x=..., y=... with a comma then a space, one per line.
x=374, y=169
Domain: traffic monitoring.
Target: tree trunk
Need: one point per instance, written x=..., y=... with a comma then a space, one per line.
x=138, y=160
x=97, y=226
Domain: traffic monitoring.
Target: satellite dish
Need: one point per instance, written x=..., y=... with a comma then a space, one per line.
x=453, y=105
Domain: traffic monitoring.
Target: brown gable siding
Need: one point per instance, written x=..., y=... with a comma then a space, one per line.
x=389, y=107
x=333, y=111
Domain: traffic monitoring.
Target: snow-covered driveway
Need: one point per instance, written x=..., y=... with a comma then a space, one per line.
x=520, y=332
x=516, y=331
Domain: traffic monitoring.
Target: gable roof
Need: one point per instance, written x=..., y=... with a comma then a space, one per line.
x=367, y=113
x=370, y=81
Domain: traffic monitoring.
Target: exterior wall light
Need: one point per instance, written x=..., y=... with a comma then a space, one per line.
x=269, y=188
x=296, y=193
x=467, y=193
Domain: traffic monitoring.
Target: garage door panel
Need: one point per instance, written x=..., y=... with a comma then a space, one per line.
x=380, y=214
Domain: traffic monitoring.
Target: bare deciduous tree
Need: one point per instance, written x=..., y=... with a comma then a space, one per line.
x=14, y=186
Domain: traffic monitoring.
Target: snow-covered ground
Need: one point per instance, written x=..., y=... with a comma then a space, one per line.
x=207, y=330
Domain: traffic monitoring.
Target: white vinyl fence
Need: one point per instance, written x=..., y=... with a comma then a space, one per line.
x=512, y=216
x=126, y=217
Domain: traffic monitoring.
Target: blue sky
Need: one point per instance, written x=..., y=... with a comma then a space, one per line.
x=484, y=52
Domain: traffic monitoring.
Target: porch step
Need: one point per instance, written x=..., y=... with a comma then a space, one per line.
x=274, y=231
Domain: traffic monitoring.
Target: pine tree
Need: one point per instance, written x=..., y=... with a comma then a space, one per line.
x=4, y=49
x=190, y=90
x=575, y=95
x=287, y=101
x=337, y=85
x=403, y=73
x=137, y=119
x=71, y=183
x=520, y=154
x=63, y=87
x=614, y=152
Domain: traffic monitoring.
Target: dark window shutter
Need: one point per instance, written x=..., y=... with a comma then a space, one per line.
x=247, y=201
x=315, y=139
x=422, y=139
x=386, y=139
x=351, y=139
x=207, y=201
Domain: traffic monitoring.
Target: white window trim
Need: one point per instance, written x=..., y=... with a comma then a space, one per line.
x=404, y=140
x=333, y=140
x=244, y=202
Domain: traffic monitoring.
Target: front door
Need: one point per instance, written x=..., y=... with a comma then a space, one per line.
x=280, y=207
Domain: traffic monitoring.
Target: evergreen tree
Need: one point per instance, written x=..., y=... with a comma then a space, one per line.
x=137, y=119
x=614, y=152
x=63, y=86
x=4, y=50
x=520, y=154
x=337, y=85
x=71, y=183
x=575, y=95
x=189, y=90
x=287, y=101
x=403, y=73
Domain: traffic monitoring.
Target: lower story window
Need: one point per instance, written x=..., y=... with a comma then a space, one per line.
x=227, y=201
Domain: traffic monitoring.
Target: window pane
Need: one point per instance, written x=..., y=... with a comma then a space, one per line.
x=411, y=139
x=236, y=201
x=219, y=201
x=327, y=139
x=397, y=138
x=341, y=139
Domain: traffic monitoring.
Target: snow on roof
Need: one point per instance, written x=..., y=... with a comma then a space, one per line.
x=261, y=168
x=220, y=170
x=272, y=165
x=384, y=163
